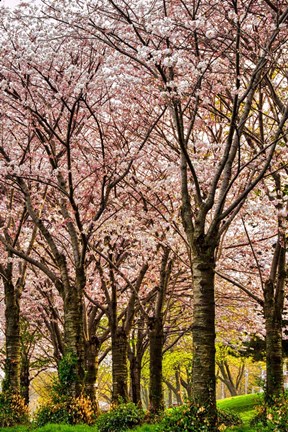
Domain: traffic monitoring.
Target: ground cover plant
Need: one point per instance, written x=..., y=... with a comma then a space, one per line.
x=272, y=415
x=13, y=409
x=122, y=417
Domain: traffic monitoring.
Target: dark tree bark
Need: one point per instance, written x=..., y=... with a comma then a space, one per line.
x=25, y=378
x=74, y=338
x=120, y=332
x=137, y=348
x=273, y=310
x=119, y=365
x=203, y=329
x=135, y=377
x=12, y=338
x=156, y=336
x=91, y=355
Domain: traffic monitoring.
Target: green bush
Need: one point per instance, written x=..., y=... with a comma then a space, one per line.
x=71, y=411
x=228, y=418
x=13, y=410
x=185, y=418
x=122, y=417
x=193, y=418
x=51, y=413
x=67, y=377
x=272, y=416
x=62, y=406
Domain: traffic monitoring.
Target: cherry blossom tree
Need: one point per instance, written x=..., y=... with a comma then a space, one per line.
x=76, y=179
x=207, y=64
x=198, y=78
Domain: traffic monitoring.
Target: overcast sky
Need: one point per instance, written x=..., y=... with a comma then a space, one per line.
x=10, y=3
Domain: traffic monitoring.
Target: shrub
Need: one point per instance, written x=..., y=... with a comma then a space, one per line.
x=184, y=418
x=67, y=377
x=80, y=410
x=272, y=416
x=51, y=413
x=193, y=418
x=122, y=417
x=13, y=410
x=228, y=418
x=71, y=411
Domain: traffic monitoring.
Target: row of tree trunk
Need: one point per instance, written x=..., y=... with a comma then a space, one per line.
x=85, y=348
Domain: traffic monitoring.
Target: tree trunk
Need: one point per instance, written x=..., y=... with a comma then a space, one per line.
x=91, y=354
x=145, y=397
x=203, y=327
x=274, y=294
x=173, y=390
x=170, y=397
x=203, y=330
x=274, y=356
x=11, y=381
x=135, y=377
x=136, y=352
x=74, y=339
x=156, y=403
x=178, y=386
x=119, y=365
x=25, y=378
x=226, y=377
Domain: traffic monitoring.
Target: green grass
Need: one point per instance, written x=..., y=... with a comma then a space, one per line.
x=145, y=428
x=66, y=428
x=15, y=429
x=51, y=428
x=242, y=405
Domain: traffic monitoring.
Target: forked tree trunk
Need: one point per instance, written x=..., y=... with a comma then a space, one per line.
x=187, y=385
x=203, y=330
x=175, y=390
x=11, y=381
x=227, y=379
x=156, y=403
x=119, y=365
x=203, y=326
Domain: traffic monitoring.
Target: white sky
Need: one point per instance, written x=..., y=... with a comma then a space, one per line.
x=10, y=3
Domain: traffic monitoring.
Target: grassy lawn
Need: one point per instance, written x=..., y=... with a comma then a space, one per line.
x=51, y=428
x=242, y=405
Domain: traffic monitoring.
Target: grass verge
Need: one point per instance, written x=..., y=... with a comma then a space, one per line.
x=242, y=405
